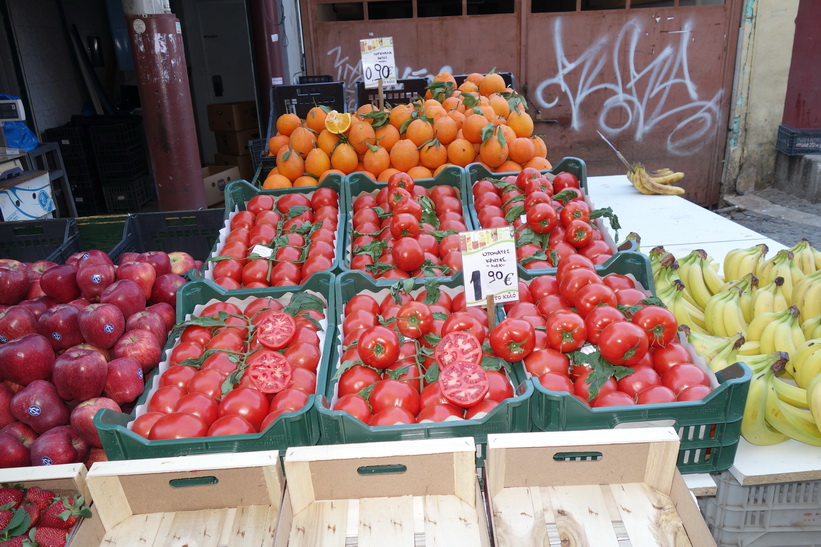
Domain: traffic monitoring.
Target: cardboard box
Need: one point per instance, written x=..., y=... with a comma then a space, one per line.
x=26, y=197
x=244, y=162
x=215, y=178
x=235, y=143
x=232, y=116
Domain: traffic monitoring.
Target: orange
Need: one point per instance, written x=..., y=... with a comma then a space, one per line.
x=461, y=152
x=420, y=172
x=276, y=181
x=326, y=141
x=493, y=152
x=305, y=180
x=508, y=133
x=508, y=166
x=317, y=162
x=472, y=127
x=541, y=147
x=276, y=142
x=387, y=136
x=303, y=140
x=441, y=168
x=404, y=155
x=434, y=112
x=491, y=83
x=376, y=160
x=433, y=154
x=366, y=109
x=522, y=150
x=337, y=122
x=445, y=129
x=521, y=123
x=330, y=172
x=443, y=91
x=360, y=135
x=458, y=117
x=400, y=114
x=344, y=158
x=539, y=163
x=386, y=174
x=315, y=119
x=468, y=87
x=499, y=105
x=453, y=103
x=287, y=123
x=419, y=131
x=475, y=77
x=290, y=163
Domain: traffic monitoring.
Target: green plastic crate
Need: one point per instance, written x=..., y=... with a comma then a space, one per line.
x=299, y=428
x=339, y=427
x=709, y=429
x=52, y=239
x=359, y=183
x=237, y=194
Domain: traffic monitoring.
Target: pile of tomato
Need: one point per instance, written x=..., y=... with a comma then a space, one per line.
x=406, y=230
x=551, y=218
x=236, y=369
x=414, y=359
x=603, y=339
x=279, y=241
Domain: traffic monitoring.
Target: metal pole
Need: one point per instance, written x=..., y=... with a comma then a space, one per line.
x=168, y=113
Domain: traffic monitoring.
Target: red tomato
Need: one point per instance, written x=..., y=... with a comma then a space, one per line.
x=458, y=346
x=566, y=331
x=389, y=392
x=556, y=382
x=670, y=355
x=598, y=318
x=659, y=323
x=575, y=210
x=480, y=409
x=582, y=388
x=652, y=395
x=541, y=218
x=303, y=355
x=208, y=382
x=289, y=201
x=230, y=425
x=573, y=262
x=464, y=322
x=641, y=378
x=618, y=282
x=408, y=254
x=144, y=422
x=178, y=425
x=288, y=399
x=391, y=416
x=201, y=405
x=250, y=403
x=592, y=296
x=165, y=398
x=177, y=375
x=355, y=379
x=499, y=387
x=378, y=347
x=565, y=180
x=198, y=334
x=184, y=351
x=362, y=302
x=684, y=375
x=614, y=398
x=364, y=201
x=513, y=339
x=694, y=393
x=543, y=361
x=302, y=379
x=324, y=196
x=261, y=202
x=414, y=319
x=463, y=383
x=579, y=233
x=623, y=343
x=439, y=413
x=355, y=405
x=229, y=340
x=575, y=279
x=431, y=395
x=358, y=319
x=630, y=297
x=269, y=371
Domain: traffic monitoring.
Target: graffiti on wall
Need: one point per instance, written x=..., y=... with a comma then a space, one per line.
x=640, y=95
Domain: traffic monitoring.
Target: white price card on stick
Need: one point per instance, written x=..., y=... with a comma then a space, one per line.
x=378, y=62
x=489, y=265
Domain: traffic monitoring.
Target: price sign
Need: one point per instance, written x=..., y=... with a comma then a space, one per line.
x=489, y=265
x=377, y=62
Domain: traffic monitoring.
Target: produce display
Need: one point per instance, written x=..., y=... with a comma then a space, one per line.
x=277, y=240
x=37, y=516
x=75, y=338
x=765, y=312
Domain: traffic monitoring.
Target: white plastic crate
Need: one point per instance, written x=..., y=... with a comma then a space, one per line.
x=782, y=514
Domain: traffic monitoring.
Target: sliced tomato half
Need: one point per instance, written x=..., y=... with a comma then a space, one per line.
x=458, y=346
x=464, y=383
x=269, y=371
x=274, y=329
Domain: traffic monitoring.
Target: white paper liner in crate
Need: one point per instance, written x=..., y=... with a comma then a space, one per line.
x=379, y=296
x=285, y=299
x=222, y=236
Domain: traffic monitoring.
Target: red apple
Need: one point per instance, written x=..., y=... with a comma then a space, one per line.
x=20, y=431
x=94, y=256
x=60, y=326
x=125, y=380
x=126, y=295
x=12, y=452
x=34, y=290
x=93, y=278
x=104, y=352
x=127, y=257
x=60, y=283
x=14, y=284
x=26, y=359
x=101, y=324
x=166, y=311
x=82, y=418
x=158, y=259
x=79, y=374
x=40, y=406
x=15, y=322
x=38, y=305
x=141, y=345
x=165, y=289
x=198, y=264
x=150, y=321
x=6, y=416
x=181, y=262
x=36, y=269
x=95, y=455
x=142, y=273
x=60, y=445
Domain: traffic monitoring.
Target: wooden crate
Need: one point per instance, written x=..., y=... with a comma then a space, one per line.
x=66, y=479
x=203, y=500
x=603, y=487
x=420, y=492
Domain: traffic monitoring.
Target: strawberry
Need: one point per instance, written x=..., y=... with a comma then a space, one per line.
x=63, y=513
x=14, y=542
x=39, y=496
x=6, y=512
x=34, y=513
x=45, y=536
x=11, y=494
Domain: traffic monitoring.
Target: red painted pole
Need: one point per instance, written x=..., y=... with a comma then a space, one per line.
x=267, y=51
x=168, y=113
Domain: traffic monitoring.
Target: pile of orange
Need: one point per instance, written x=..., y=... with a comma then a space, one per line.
x=480, y=120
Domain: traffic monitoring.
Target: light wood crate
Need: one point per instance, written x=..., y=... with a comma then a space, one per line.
x=199, y=500
x=597, y=488
x=427, y=493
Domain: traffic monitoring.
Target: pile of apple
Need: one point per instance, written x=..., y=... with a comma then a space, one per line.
x=75, y=338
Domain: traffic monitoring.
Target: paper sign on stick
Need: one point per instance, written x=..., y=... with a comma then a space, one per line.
x=377, y=62
x=489, y=265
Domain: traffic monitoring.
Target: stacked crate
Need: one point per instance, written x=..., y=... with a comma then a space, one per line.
x=234, y=125
x=81, y=170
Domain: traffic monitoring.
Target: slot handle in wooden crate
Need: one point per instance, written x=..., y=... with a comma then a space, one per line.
x=591, y=456
x=193, y=481
x=386, y=469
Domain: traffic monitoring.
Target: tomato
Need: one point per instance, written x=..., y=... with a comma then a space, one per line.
x=548, y=360
x=144, y=422
x=499, y=387
x=408, y=254
x=178, y=425
x=392, y=416
x=480, y=409
x=659, y=323
x=250, y=403
x=522, y=309
x=582, y=389
x=684, y=375
x=242, y=219
x=575, y=279
x=199, y=404
x=598, y=318
x=230, y=425
x=165, y=398
x=694, y=393
x=431, y=395
x=358, y=319
x=439, y=413
x=286, y=273
x=552, y=381
x=573, y=262
x=512, y=339
x=389, y=392
x=364, y=201
x=404, y=225
x=670, y=355
x=579, y=233
x=566, y=331
x=613, y=398
x=198, y=334
x=463, y=383
x=177, y=375
x=597, y=250
x=302, y=379
x=411, y=207
x=256, y=271
x=230, y=268
x=486, y=200
x=541, y=218
x=630, y=297
x=458, y=346
x=565, y=180
x=355, y=405
x=575, y=210
x=288, y=399
x=184, y=351
x=208, y=382
x=592, y=296
x=355, y=379
x=228, y=340
x=324, y=196
x=271, y=218
x=289, y=201
x=623, y=343
x=639, y=379
x=526, y=175
x=269, y=371
x=656, y=394
x=303, y=355
x=378, y=347
x=414, y=319
x=464, y=321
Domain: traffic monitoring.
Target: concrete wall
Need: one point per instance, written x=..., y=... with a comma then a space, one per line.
x=763, y=65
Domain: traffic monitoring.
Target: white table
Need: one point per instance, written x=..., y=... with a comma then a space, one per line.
x=682, y=226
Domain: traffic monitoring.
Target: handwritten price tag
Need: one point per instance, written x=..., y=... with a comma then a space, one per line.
x=489, y=265
x=378, y=62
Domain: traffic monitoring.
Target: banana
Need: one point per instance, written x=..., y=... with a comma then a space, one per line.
x=758, y=324
x=804, y=257
x=783, y=334
x=811, y=327
x=648, y=186
x=807, y=363
x=754, y=426
x=727, y=355
x=693, y=275
x=770, y=298
x=660, y=172
x=723, y=316
x=790, y=394
x=807, y=295
x=817, y=254
x=763, y=361
x=750, y=348
x=814, y=397
x=788, y=420
x=666, y=177
x=747, y=284
x=781, y=265
x=739, y=262
x=685, y=312
x=705, y=345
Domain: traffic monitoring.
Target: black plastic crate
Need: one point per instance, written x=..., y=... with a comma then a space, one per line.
x=73, y=140
x=300, y=99
x=127, y=196
x=798, y=142
x=405, y=91
x=88, y=199
x=78, y=167
x=258, y=148
x=129, y=166
x=32, y=240
x=194, y=232
x=314, y=79
x=510, y=80
x=117, y=137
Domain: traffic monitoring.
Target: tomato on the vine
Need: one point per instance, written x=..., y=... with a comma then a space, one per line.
x=623, y=343
x=566, y=331
x=659, y=323
x=378, y=347
x=513, y=339
x=414, y=319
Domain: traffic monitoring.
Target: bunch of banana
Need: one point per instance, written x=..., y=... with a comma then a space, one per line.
x=727, y=353
x=806, y=295
x=770, y=298
x=814, y=397
x=723, y=315
x=706, y=345
x=812, y=327
x=686, y=313
x=754, y=426
x=659, y=257
x=807, y=257
x=783, y=264
x=777, y=331
x=739, y=262
x=655, y=182
x=807, y=362
x=699, y=277
x=787, y=411
x=747, y=285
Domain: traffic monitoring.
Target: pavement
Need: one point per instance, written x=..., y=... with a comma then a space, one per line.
x=784, y=217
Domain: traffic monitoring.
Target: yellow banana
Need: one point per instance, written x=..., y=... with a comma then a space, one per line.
x=758, y=324
x=814, y=397
x=727, y=355
x=812, y=327
x=705, y=345
x=646, y=185
x=667, y=177
x=790, y=394
x=754, y=427
x=739, y=262
x=660, y=172
x=781, y=265
x=817, y=254
x=807, y=295
x=746, y=285
x=780, y=334
x=692, y=274
x=750, y=348
x=770, y=298
x=788, y=420
x=763, y=361
x=807, y=362
x=685, y=312
x=804, y=257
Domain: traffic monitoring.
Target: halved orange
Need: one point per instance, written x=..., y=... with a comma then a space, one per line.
x=337, y=122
